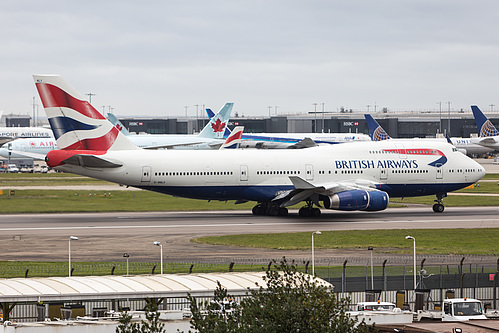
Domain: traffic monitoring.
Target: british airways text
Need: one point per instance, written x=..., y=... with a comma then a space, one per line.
x=370, y=164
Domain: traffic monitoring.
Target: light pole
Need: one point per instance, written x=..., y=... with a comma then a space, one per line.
x=313, y=258
x=315, y=117
x=69, y=251
x=414, y=268
x=161, y=248
x=126, y=255
x=440, y=124
x=370, y=248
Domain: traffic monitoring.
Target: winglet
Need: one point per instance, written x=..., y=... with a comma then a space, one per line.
x=376, y=132
x=484, y=125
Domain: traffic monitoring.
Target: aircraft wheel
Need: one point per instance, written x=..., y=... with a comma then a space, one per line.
x=304, y=212
x=255, y=210
x=316, y=212
x=438, y=208
x=283, y=211
x=273, y=211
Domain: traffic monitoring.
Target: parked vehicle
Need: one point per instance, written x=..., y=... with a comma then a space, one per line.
x=12, y=168
x=455, y=309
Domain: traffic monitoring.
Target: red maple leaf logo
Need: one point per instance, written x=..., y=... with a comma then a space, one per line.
x=218, y=126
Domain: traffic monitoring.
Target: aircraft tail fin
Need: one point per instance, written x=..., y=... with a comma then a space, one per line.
x=484, y=125
x=217, y=124
x=76, y=124
x=376, y=132
x=112, y=118
x=210, y=113
x=235, y=138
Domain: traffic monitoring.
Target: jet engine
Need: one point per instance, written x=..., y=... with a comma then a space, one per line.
x=357, y=200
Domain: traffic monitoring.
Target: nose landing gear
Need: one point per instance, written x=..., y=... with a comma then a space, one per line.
x=439, y=206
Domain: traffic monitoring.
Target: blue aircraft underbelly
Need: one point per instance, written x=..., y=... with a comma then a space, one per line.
x=266, y=193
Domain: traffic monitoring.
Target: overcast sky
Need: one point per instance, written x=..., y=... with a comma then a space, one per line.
x=153, y=58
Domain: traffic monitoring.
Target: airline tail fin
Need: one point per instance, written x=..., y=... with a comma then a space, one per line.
x=484, y=125
x=217, y=124
x=112, y=118
x=376, y=132
x=235, y=138
x=210, y=113
x=76, y=124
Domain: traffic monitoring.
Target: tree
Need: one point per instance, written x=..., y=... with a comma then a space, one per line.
x=150, y=325
x=291, y=302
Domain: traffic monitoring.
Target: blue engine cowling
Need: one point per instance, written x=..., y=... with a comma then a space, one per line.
x=357, y=200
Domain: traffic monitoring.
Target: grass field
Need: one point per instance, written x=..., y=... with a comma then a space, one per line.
x=429, y=241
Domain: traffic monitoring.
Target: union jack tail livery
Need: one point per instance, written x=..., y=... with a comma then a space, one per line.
x=234, y=139
x=76, y=124
x=376, y=132
x=484, y=125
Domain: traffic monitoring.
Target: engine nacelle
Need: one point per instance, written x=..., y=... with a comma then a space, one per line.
x=357, y=200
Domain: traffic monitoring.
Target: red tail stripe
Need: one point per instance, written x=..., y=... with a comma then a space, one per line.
x=53, y=96
x=102, y=143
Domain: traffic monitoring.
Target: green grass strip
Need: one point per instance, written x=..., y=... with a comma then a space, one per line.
x=428, y=241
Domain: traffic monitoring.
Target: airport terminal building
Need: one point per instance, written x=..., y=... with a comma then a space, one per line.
x=397, y=124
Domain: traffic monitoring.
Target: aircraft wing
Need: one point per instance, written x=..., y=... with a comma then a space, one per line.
x=5, y=139
x=487, y=141
x=305, y=143
x=173, y=145
x=305, y=190
x=34, y=156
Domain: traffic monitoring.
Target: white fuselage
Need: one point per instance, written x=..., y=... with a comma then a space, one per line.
x=284, y=140
x=39, y=146
x=402, y=170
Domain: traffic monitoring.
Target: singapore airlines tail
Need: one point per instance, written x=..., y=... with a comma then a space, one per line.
x=376, y=132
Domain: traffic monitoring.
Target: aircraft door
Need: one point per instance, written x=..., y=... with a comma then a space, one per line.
x=383, y=175
x=23, y=147
x=243, y=173
x=146, y=174
x=401, y=150
x=440, y=172
x=309, y=172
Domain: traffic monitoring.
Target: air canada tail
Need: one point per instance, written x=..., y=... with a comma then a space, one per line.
x=376, y=132
x=484, y=125
x=76, y=124
x=217, y=124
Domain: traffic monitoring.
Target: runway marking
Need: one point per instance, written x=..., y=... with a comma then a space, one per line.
x=232, y=224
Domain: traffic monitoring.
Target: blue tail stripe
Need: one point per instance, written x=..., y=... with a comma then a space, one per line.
x=62, y=125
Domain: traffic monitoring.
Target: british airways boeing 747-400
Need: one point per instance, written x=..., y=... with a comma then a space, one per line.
x=350, y=176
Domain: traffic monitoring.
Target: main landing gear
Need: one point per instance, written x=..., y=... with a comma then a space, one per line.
x=269, y=209
x=309, y=210
x=439, y=206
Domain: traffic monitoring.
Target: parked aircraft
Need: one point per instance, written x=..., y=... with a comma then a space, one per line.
x=351, y=176
x=293, y=140
x=35, y=148
x=488, y=135
x=377, y=133
x=210, y=137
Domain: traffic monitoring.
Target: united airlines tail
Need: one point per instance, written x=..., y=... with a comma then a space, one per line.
x=216, y=127
x=376, y=132
x=76, y=124
x=484, y=125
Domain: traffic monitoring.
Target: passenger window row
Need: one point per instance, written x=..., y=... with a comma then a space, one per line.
x=194, y=173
